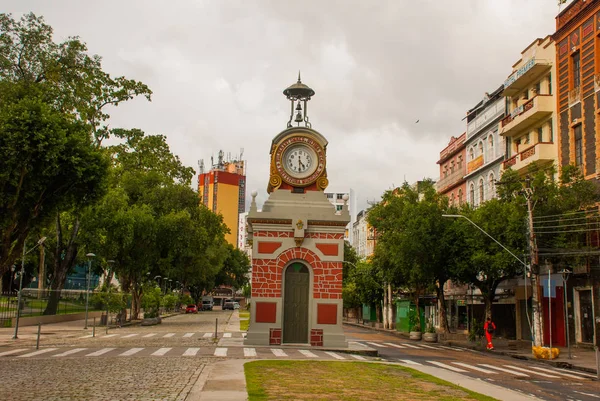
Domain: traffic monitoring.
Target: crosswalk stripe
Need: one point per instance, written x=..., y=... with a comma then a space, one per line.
x=130, y=335
x=451, y=349
x=149, y=335
x=191, y=351
x=557, y=372
x=42, y=351
x=529, y=371
x=70, y=352
x=12, y=351
x=466, y=365
x=307, y=353
x=227, y=335
x=206, y=335
x=278, y=352
x=168, y=335
x=161, y=351
x=187, y=335
x=443, y=365
x=131, y=352
x=249, y=352
x=411, y=346
x=333, y=354
x=395, y=345
x=359, y=357
x=87, y=336
x=427, y=346
x=512, y=372
x=101, y=352
x=110, y=335
x=221, y=352
x=409, y=362
x=377, y=345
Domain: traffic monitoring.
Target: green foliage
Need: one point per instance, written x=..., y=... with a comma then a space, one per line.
x=429, y=327
x=476, y=331
x=414, y=320
x=151, y=299
x=169, y=301
x=185, y=299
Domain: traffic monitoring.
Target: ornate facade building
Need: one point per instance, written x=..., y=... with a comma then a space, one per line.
x=453, y=168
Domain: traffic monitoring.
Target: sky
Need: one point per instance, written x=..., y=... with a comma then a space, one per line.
x=218, y=68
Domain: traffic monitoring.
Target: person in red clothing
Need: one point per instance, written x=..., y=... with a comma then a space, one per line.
x=489, y=327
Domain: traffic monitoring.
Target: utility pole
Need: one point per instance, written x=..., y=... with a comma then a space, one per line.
x=538, y=327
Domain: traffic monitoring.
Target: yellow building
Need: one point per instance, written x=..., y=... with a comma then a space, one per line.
x=531, y=123
x=223, y=190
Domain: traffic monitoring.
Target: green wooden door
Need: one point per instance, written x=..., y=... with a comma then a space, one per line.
x=295, y=304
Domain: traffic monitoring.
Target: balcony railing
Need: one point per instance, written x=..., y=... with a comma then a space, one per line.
x=524, y=108
x=528, y=153
x=574, y=96
x=450, y=179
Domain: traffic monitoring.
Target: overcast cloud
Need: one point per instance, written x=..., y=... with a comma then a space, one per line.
x=218, y=68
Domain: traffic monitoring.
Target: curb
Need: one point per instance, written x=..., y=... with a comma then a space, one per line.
x=558, y=364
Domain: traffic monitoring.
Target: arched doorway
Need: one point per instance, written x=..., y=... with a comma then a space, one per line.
x=295, y=304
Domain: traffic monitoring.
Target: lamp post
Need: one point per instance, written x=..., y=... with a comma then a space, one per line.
x=87, y=287
x=565, y=276
x=40, y=242
x=110, y=263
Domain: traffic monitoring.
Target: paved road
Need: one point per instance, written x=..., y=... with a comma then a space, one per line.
x=528, y=377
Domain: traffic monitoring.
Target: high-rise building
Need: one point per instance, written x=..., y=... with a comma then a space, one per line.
x=363, y=236
x=223, y=190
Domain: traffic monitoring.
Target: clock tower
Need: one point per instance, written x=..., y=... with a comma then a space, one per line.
x=297, y=241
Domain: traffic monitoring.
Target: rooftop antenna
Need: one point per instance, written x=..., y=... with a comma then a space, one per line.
x=241, y=153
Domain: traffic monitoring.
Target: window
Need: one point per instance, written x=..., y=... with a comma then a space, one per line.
x=540, y=132
x=472, y=194
x=452, y=166
x=526, y=139
x=329, y=196
x=538, y=88
x=578, y=146
x=481, y=192
x=549, y=84
x=338, y=208
x=576, y=70
x=480, y=148
x=492, y=185
x=551, y=139
x=526, y=95
x=460, y=161
x=452, y=198
x=460, y=194
x=339, y=196
x=471, y=154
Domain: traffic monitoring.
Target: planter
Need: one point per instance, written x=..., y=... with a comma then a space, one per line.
x=151, y=321
x=430, y=337
x=415, y=335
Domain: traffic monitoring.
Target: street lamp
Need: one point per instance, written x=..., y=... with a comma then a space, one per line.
x=565, y=276
x=87, y=287
x=40, y=242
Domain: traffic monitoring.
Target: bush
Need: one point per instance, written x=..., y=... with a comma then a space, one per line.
x=169, y=301
x=185, y=300
x=476, y=331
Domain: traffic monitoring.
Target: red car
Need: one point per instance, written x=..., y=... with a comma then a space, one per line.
x=191, y=309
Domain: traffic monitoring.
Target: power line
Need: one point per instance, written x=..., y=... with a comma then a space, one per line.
x=564, y=214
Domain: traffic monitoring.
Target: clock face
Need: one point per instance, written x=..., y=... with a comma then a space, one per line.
x=299, y=161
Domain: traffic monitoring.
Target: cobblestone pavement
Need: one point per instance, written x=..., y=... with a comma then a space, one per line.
x=142, y=378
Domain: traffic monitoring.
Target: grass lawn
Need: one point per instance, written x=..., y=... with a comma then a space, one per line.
x=313, y=380
x=244, y=323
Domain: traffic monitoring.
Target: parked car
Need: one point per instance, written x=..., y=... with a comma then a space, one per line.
x=236, y=305
x=229, y=304
x=191, y=309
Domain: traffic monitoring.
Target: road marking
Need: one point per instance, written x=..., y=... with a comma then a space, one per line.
x=12, y=351
x=187, y=335
x=168, y=335
x=451, y=349
x=466, y=365
x=191, y=351
x=161, y=351
x=395, y=345
x=110, y=335
x=249, y=352
x=359, y=357
x=149, y=335
x=512, y=372
x=411, y=346
x=69, y=352
x=88, y=336
x=226, y=335
x=579, y=373
x=377, y=345
x=42, y=351
x=307, y=353
x=409, y=362
x=588, y=394
x=529, y=371
x=278, y=352
x=427, y=346
x=333, y=354
x=206, y=335
x=221, y=352
x=557, y=372
x=443, y=365
x=131, y=352
x=130, y=335
x=101, y=352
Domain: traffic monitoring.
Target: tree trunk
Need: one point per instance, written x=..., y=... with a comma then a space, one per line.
x=444, y=328
x=390, y=308
x=136, y=295
x=417, y=311
x=385, y=307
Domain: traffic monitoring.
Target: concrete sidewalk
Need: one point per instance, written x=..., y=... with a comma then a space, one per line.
x=582, y=359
